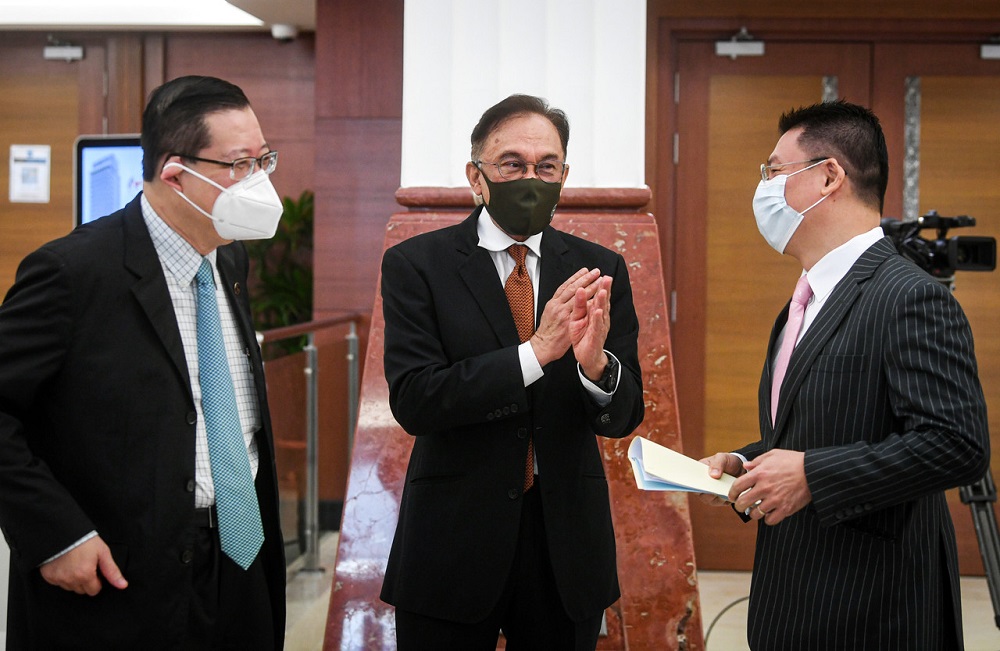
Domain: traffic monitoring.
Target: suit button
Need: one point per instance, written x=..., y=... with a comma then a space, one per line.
x=522, y=433
x=498, y=413
x=513, y=408
x=490, y=416
x=506, y=411
x=186, y=556
x=859, y=509
x=605, y=419
x=189, y=487
x=513, y=493
x=192, y=418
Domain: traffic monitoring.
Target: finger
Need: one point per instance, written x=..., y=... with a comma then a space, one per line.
x=579, y=304
x=716, y=464
x=580, y=279
x=110, y=570
x=92, y=586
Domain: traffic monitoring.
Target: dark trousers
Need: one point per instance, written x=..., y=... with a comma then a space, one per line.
x=231, y=608
x=530, y=612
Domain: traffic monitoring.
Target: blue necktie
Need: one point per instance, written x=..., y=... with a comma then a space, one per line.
x=240, y=532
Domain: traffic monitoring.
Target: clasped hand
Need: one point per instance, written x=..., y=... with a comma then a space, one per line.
x=769, y=488
x=577, y=316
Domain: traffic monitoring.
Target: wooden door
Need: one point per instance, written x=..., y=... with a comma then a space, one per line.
x=43, y=103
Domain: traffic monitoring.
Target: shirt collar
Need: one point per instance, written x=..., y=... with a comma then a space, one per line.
x=179, y=258
x=492, y=237
x=833, y=266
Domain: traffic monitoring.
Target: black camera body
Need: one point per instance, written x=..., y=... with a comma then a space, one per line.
x=943, y=256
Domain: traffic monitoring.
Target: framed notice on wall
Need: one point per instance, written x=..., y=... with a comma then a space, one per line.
x=30, y=168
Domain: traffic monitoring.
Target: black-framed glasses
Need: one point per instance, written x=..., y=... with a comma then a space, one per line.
x=765, y=169
x=241, y=168
x=512, y=169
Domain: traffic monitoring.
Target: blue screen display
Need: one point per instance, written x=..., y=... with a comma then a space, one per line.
x=109, y=175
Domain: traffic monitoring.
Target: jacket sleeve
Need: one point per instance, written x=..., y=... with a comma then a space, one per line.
x=941, y=440
x=38, y=516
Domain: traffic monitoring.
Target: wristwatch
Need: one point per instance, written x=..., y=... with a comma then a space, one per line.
x=609, y=377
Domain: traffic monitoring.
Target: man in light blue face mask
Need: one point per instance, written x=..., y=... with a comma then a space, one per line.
x=139, y=493
x=870, y=408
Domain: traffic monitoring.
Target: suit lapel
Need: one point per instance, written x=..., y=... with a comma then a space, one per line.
x=480, y=276
x=826, y=323
x=555, y=267
x=235, y=293
x=150, y=289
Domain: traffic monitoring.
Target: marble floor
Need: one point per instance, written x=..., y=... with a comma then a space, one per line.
x=723, y=603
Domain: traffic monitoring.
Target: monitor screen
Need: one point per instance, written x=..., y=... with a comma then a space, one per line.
x=107, y=175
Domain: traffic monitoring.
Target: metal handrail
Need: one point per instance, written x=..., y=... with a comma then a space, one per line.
x=309, y=329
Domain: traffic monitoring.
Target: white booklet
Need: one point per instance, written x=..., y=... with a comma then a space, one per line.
x=658, y=468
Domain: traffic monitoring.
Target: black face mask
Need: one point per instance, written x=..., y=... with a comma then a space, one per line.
x=523, y=207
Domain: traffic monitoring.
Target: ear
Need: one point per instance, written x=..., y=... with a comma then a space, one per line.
x=835, y=176
x=475, y=178
x=169, y=175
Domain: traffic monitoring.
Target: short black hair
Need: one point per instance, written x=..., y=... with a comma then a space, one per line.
x=174, y=119
x=514, y=106
x=850, y=133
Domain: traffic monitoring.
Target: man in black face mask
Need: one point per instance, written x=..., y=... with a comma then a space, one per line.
x=509, y=346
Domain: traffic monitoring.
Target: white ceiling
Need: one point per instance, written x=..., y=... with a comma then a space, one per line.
x=299, y=13
x=156, y=14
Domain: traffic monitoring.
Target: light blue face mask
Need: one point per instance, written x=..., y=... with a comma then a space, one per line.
x=776, y=220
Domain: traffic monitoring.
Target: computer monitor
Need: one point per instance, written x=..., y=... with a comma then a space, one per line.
x=107, y=174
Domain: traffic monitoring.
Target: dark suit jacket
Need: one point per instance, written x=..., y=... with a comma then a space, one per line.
x=882, y=393
x=97, y=432
x=455, y=384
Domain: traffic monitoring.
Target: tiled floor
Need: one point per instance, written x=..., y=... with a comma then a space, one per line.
x=722, y=601
x=722, y=590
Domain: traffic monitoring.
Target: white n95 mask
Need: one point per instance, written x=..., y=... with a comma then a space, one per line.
x=776, y=220
x=247, y=210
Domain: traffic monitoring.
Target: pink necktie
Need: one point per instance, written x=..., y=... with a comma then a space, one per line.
x=796, y=311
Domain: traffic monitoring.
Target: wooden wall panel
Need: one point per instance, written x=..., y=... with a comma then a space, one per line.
x=359, y=108
x=278, y=77
x=38, y=106
x=359, y=49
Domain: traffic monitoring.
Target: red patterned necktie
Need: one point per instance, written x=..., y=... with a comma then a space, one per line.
x=796, y=312
x=522, y=305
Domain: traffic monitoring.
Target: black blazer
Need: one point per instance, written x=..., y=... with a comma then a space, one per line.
x=883, y=395
x=455, y=384
x=97, y=432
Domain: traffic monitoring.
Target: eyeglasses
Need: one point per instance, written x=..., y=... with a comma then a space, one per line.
x=765, y=169
x=241, y=168
x=512, y=169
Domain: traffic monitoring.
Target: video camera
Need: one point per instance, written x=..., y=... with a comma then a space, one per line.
x=943, y=256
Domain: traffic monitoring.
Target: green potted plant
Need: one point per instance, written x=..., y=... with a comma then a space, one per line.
x=281, y=271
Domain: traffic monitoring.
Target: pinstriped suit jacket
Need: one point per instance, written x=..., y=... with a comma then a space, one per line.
x=883, y=395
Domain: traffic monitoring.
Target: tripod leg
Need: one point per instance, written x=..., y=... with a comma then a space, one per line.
x=980, y=497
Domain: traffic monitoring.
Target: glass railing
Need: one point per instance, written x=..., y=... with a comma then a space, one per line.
x=312, y=372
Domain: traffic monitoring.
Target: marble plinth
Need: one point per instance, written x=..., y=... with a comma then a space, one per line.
x=659, y=608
